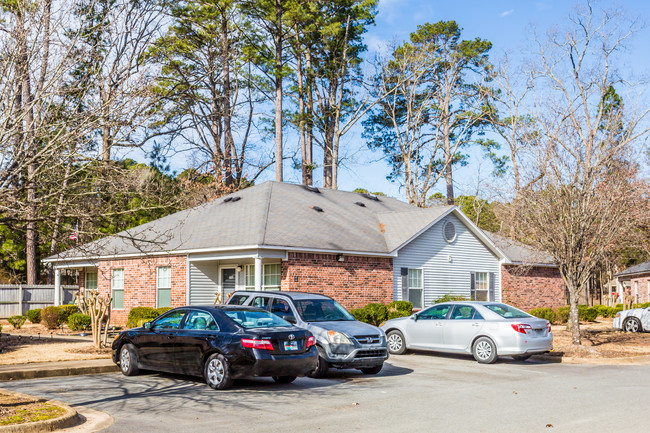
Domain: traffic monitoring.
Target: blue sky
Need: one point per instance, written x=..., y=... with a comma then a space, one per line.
x=506, y=23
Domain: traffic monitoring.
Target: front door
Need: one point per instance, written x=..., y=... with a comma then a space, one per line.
x=228, y=282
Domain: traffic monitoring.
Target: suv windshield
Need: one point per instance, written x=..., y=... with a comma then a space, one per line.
x=322, y=310
x=507, y=312
x=255, y=319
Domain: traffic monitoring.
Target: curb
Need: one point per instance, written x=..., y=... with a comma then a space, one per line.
x=64, y=371
x=68, y=419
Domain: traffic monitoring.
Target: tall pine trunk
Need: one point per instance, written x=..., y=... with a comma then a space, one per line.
x=278, y=39
x=227, y=128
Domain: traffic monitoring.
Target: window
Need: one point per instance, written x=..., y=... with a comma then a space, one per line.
x=322, y=310
x=255, y=319
x=449, y=232
x=91, y=280
x=171, y=320
x=117, y=289
x=465, y=312
x=164, y=286
x=415, y=287
x=201, y=321
x=508, y=312
x=237, y=300
x=260, y=302
x=272, y=276
x=435, y=313
x=281, y=308
x=480, y=286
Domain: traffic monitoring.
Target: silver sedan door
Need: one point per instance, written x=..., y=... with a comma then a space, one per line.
x=425, y=332
x=645, y=319
x=463, y=325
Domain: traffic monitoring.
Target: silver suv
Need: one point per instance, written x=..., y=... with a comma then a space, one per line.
x=341, y=340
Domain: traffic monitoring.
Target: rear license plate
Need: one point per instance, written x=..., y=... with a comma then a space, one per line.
x=290, y=345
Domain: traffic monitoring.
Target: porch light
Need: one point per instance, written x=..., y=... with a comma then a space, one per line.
x=340, y=258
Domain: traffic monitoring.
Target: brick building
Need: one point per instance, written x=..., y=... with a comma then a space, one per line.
x=354, y=247
x=635, y=283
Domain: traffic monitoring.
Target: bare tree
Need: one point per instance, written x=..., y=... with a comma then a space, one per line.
x=583, y=196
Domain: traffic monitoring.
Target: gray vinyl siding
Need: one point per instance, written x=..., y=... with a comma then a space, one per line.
x=204, y=279
x=430, y=252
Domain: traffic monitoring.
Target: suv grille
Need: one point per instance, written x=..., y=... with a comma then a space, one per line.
x=370, y=354
x=368, y=339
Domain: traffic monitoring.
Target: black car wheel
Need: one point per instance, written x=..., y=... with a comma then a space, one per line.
x=396, y=343
x=128, y=360
x=372, y=370
x=521, y=357
x=284, y=379
x=216, y=372
x=321, y=366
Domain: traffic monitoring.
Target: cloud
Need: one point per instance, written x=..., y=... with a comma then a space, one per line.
x=506, y=13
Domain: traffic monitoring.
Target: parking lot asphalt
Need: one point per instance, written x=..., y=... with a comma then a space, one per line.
x=413, y=393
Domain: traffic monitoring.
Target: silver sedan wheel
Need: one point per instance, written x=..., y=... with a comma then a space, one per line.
x=395, y=342
x=483, y=350
x=125, y=359
x=216, y=371
x=632, y=325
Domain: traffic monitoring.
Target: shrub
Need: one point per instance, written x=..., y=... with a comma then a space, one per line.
x=399, y=309
x=449, y=297
x=17, y=321
x=139, y=315
x=544, y=313
x=605, y=311
x=50, y=317
x=619, y=307
x=162, y=310
x=34, y=315
x=376, y=313
x=360, y=314
x=78, y=322
x=644, y=305
x=0, y=329
x=562, y=315
x=67, y=311
x=586, y=313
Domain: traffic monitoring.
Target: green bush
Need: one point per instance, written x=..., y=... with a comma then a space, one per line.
x=619, y=307
x=360, y=314
x=34, y=315
x=17, y=321
x=587, y=313
x=139, y=315
x=79, y=322
x=449, y=298
x=0, y=329
x=544, y=313
x=372, y=313
x=562, y=315
x=399, y=309
x=644, y=305
x=162, y=310
x=50, y=317
x=67, y=311
x=605, y=311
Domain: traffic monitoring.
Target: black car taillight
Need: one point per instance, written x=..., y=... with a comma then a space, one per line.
x=311, y=341
x=257, y=344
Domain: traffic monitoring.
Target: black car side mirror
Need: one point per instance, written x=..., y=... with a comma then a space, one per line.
x=290, y=319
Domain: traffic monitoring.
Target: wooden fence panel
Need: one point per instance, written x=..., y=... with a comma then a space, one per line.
x=31, y=297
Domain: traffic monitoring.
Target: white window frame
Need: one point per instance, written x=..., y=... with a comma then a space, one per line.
x=117, y=288
x=164, y=287
x=96, y=274
x=487, y=285
x=249, y=277
x=249, y=270
x=264, y=274
x=421, y=288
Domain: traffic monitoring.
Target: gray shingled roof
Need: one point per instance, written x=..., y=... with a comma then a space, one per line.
x=519, y=253
x=274, y=214
x=641, y=268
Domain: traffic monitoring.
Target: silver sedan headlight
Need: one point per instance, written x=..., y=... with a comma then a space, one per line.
x=336, y=337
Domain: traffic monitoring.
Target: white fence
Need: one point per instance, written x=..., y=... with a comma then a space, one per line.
x=17, y=299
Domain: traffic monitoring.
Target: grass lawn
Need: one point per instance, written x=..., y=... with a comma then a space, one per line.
x=19, y=410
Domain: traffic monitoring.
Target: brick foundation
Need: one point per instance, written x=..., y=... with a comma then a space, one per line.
x=354, y=282
x=140, y=282
x=530, y=288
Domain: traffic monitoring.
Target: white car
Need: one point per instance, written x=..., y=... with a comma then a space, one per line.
x=484, y=329
x=634, y=320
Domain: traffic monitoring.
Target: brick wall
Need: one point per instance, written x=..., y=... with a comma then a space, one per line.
x=535, y=287
x=140, y=282
x=354, y=282
x=643, y=285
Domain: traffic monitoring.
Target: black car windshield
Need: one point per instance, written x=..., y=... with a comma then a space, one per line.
x=322, y=310
x=255, y=319
x=507, y=312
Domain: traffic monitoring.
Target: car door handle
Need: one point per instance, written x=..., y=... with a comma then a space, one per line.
x=476, y=324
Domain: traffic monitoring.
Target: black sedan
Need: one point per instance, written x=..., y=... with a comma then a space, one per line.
x=219, y=343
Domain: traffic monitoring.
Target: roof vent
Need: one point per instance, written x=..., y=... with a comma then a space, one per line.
x=311, y=188
x=449, y=232
x=358, y=203
x=317, y=209
x=370, y=197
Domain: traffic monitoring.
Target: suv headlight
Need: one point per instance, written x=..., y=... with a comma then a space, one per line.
x=336, y=337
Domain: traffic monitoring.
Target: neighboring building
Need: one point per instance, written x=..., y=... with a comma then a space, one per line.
x=635, y=282
x=354, y=247
x=529, y=278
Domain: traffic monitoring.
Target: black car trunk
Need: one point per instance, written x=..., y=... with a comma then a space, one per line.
x=284, y=341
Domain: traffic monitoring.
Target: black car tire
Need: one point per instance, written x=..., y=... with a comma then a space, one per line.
x=484, y=350
x=284, y=379
x=217, y=372
x=521, y=357
x=128, y=360
x=396, y=343
x=322, y=366
x=632, y=324
x=372, y=370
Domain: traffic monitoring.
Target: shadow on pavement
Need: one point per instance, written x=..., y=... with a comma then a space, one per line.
x=505, y=359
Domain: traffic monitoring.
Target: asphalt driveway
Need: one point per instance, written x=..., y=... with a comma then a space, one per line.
x=415, y=393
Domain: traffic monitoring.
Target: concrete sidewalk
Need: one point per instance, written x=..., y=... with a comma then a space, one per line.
x=51, y=369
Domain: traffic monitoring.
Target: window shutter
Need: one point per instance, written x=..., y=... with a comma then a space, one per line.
x=472, y=286
x=405, y=283
x=491, y=282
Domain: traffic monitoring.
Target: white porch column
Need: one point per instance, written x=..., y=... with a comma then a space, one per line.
x=258, y=273
x=57, y=286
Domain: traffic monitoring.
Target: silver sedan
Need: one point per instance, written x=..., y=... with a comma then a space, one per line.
x=634, y=320
x=484, y=329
